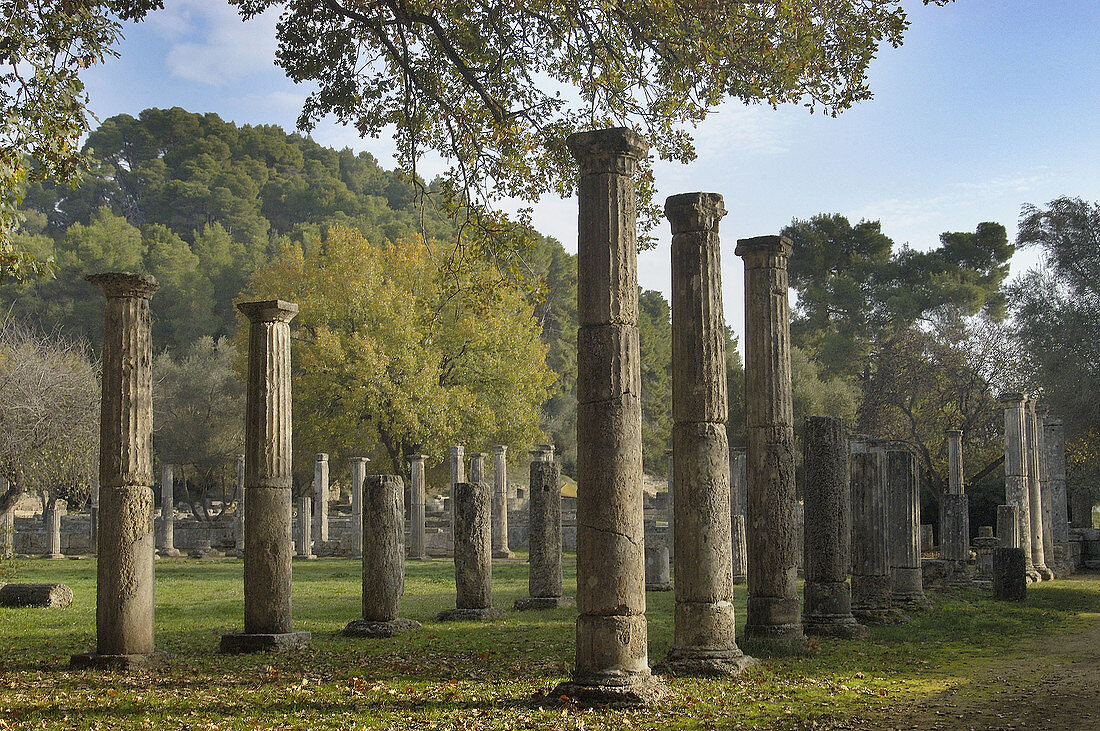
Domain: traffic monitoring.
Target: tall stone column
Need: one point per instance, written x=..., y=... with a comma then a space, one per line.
x=238, y=532
x=703, y=640
x=670, y=504
x=773, y=608
x=456, y=460
x=167, y=512
x=737, y=516
x=1053, y=562
x=828, y=598
x=473, y=555
x=1035, y=494
x=612, y=661
x=500, y=503
x=383, y=560
x=53, y=530
x=124, y=572
x=418, y=547
x=305, y=529
x=1016, y=464
x=544, y=531
x=1054, y=455
x=954, y=506
x=93, y=517
x=358, y=475
x=871, y=584
x=903, y=530
x=320, y=498
x=268, y=481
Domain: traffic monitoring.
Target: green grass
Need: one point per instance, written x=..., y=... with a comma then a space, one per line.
x=469, y=675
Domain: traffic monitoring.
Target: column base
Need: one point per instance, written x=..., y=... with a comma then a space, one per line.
x=879, y=616
x=704, y=663
x=635, y=691
x=307, y=557
x=1033, y=576
x=658, y=587
x=244, y=642
x=503, y=554
x=96, y=661
x=487, y=614
x=1045, y=573
x=774, y=618
x=911, y=602
x=54, y=556
x=544, y=602
x=846, y=628
x=376, y=629
x=169, y=552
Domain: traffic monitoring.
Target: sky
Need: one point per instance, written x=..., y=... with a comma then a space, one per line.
x=987, y=106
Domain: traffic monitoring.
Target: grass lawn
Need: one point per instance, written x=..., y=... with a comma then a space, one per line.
x=469, y=675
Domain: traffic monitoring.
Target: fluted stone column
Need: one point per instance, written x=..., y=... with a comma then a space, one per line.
x=703, y=640
x=358, y=475
x=737, y=516
x=456, y=460
x=903, y=530
x=477, y=467
x=93, y=517
x=53, y=530
x=1016, y=465
x=473, y=555
x=124, y=572
x=383, y=560
x=828, y=599
x=500, y=503
x=670, y=504
x=954, y=506
x=544, y=535
x=1008, y=526
x=658, y=576
x=612, y=662
x=1046, y=499
x=304, y=544
x=320, y=498
x=1035, y=494
x=268, y=481
x=1054, y=455
x=167, y=512
x=871, y=583
x=238, y=531
x=773, y=608
x=418, y=547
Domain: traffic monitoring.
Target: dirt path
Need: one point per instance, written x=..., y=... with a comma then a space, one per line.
x=1053, y=685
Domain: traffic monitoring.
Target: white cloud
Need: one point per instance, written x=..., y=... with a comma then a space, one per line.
x=743, y=130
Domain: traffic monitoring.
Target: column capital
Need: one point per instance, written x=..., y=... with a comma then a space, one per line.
x=358, y=459
x=1011, y=399
x=615, y=150
x=416, y=457
x=953, y=433
x=500, y=449
x=457, y=450
x=125, y=284
x=763, y=246
x=322, y=457
x=268, y=310
x=690, y=212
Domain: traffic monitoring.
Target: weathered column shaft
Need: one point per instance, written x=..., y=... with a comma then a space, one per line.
x=703, y=634
x=7, y=530
x=418, y=548
x=954, y=462
x=305, y=527
x=828, y=605
x=1008, y=526
x=871, y=583
x=612, y=663
x=1035, y=493
x=1016, y=487
x=738, y=537
x=473, y=546
x=670, y=505
x=1046, y=497
x=124, y=575
x=773, y=607
x=544, y=530
x=955, y=527
x=167, y=511
x=268, y=469
x=238, y=533
x=1054, y=446
x=93, y=517
x=320, y=497
x=477, y=467
x=358, y=475
x=903, y=505
x=456, y=460
x=500, y=502
x=53, y=532
x=383, y=547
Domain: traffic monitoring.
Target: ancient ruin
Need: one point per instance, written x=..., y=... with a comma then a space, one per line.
x=544, y=535
x=903, y=527
x=473, y=555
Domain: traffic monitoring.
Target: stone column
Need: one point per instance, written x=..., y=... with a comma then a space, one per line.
x=1008, y=526
x=612, y=661
x=268, y=482
x=954, y=506
x=500, y=503
x=1009, y=574
x=93, y=517
x=1016, y=487
x=167, y=512
x=955, y=479
x=477, y=467
x=320, y=498
x=418, y=548
x=305, y=530
x=1054, y=456
x=358, y=475
x=53, y=530
x=124, y=572
x=383, y=560
x=544, y=532
x=828, y=599
x=456, y=460
x=773, y=608
x=1035, y=494
x=238, y=532
x=7, y=527
x=927, y=539
x=657, y=574
x=983, y=552
x=473, y=556
x=703, y=640
x=903, y=529
x=737, y=516
x=871, y=584
x=670, y=504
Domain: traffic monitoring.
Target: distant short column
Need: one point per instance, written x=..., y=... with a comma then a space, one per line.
x=53, y=530
x=903, y=504
x=544, y=582
x=670, y=506
x=418, y=549
x=304, y=544
x=500, y=503
x=7, y=533
x=456, y=461
x=93, y=517
x=473, y=555
x=167, y=512
x=1008, y=526
x=1009, y=574
x=320, y=498
x=358, y=475
x=1035, y=493
x=1054, y=452
x=738, y=539
x=383, y=560
x=871, y=586
x=238, y=532
x=477, y=467
x=954, y=505
x=658, y=576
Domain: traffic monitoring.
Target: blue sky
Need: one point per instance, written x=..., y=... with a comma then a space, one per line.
x=986, y=106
